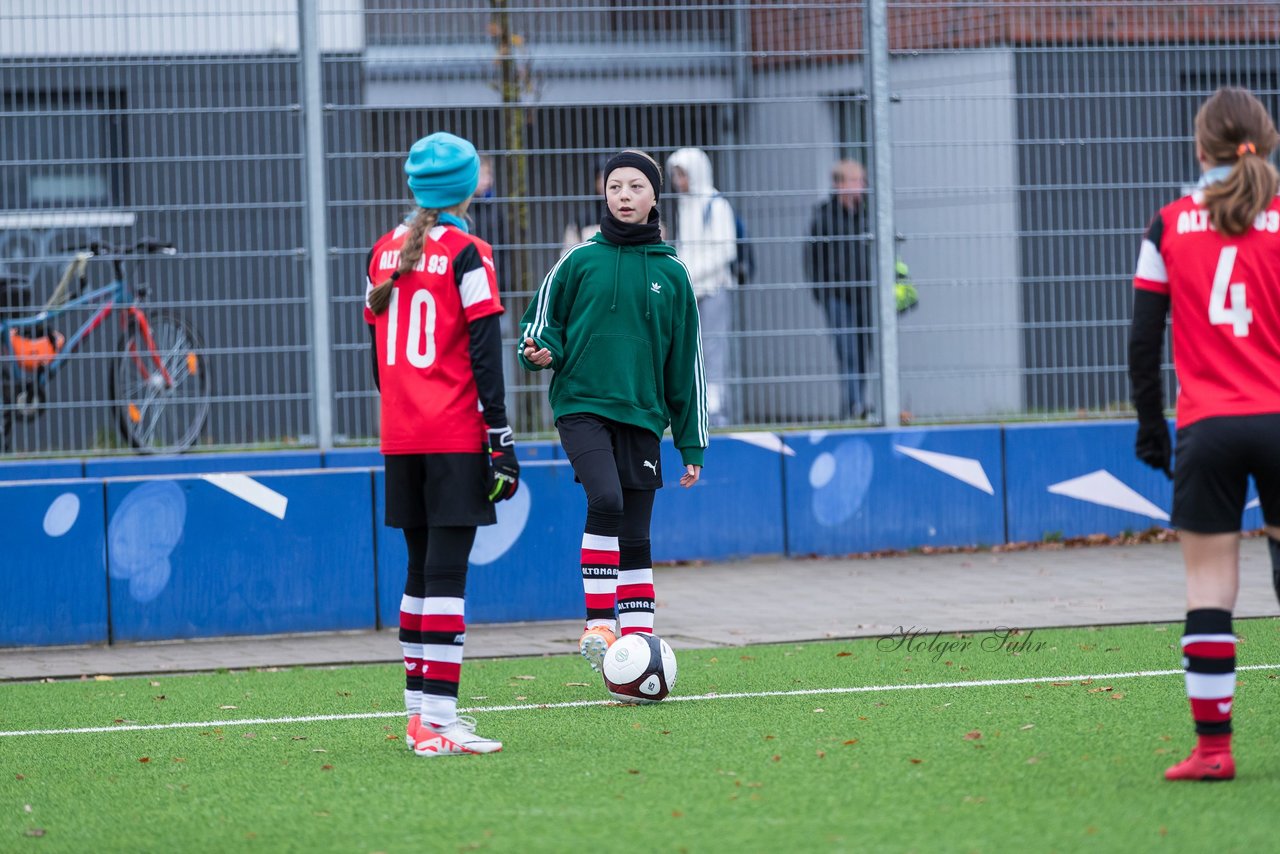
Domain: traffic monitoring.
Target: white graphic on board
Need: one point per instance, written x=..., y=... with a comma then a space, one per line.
x=493, y=541
x=62, y=514
x=251, y=491
x=1105, y=489
x=964, y=469
x=142, y=533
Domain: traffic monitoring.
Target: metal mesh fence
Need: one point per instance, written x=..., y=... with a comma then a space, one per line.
x=1025, y=145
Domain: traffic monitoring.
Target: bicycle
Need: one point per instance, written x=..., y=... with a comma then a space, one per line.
x=158, y=380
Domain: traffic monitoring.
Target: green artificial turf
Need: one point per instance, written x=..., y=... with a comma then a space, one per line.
x=1055, y=765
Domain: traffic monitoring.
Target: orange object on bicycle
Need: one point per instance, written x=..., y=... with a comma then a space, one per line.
x=33, y=354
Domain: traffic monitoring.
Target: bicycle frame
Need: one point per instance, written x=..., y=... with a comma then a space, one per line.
x=116, y=293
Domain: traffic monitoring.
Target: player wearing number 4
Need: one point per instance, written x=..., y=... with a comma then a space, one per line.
x=617, y=322
x=1213, y=259
x=432, y=307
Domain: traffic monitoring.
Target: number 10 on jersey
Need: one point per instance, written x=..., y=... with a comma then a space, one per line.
x=1239, y=315
x=420, y=343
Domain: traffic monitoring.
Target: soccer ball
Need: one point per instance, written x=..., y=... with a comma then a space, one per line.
x=639, y=668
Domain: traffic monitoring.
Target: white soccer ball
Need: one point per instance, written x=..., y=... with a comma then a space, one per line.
x=639, y=668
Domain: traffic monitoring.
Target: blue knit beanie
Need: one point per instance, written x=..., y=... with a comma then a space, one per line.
x=443, y=170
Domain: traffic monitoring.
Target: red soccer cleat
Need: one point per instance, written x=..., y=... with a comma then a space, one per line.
x=411, y=731
x=1204, y=766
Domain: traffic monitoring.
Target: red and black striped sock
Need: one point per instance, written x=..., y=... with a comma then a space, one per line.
x=411, y=604
x=444, y=631
x=1209, y=657
x=635, y=587
x=600, y=568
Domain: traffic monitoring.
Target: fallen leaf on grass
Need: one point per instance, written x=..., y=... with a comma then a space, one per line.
x=160, y=697
x=567, y=685
x=677, y=814
x=776, y=758
x=822, y=754
x=34, y=831
x=144, y=759
x=393, y=737
x=770, y=737
x=843, y=654
x=1103, y=689
x=851, y=741
x=326, y=767
x=224, y=708
x=1027, y=726
x=521, y=697
x=19, y=776
x=1119, y=695
x=916, y=761
x=525, y=678
x=972, y=735
x=633, y=770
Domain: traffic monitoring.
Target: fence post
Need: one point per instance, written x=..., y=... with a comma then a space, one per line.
x=317, y=246
x=877, y=46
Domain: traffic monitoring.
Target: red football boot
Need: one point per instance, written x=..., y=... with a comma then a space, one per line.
x=1204, y=766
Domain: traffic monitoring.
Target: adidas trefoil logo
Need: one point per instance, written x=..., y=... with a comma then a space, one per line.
x=655, y=287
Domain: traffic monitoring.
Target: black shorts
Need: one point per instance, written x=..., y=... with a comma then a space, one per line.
x=636, y=451
x=1215, y=457
x=438, y=491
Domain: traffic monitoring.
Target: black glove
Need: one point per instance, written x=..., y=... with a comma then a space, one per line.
x=1153, y=446
x=504, y=468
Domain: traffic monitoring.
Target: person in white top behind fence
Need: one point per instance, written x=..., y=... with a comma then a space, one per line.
x=706, y=241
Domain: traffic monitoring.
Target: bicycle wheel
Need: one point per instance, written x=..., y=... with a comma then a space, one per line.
x=161, y=394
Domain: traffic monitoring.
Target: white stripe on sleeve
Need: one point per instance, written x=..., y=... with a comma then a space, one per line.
x=1151, y=264
x=475, y=287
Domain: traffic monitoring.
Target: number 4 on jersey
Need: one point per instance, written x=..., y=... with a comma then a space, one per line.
x=1239, y=315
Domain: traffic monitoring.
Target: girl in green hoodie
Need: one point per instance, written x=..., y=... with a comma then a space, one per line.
x=617, y=322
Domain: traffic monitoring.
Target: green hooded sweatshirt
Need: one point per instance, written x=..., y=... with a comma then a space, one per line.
x=621, y=325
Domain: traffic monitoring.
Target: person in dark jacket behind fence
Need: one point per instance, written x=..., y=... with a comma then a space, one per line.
x=838, y=264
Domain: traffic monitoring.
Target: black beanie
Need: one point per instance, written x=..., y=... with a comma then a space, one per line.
x=639, y=161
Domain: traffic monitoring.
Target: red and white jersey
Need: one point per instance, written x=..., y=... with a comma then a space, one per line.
x=429, y=399
x=1224, y=294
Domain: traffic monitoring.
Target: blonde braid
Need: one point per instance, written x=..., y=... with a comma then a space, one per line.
x=410, y=252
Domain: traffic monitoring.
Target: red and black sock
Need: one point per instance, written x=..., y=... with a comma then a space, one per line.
x=1209, y=656
x=600, y=568
x=635, y=587
x=443, y=632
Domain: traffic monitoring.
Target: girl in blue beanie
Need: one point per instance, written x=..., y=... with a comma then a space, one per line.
x=432, y=306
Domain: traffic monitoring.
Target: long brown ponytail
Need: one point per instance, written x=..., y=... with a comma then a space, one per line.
x=1233, y=127
x=410, y=252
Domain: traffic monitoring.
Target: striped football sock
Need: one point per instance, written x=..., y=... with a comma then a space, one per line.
x=443, y=634
x=635, y=587
x=1209, y=656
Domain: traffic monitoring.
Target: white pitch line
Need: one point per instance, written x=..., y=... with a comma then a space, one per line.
x=805, y=692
